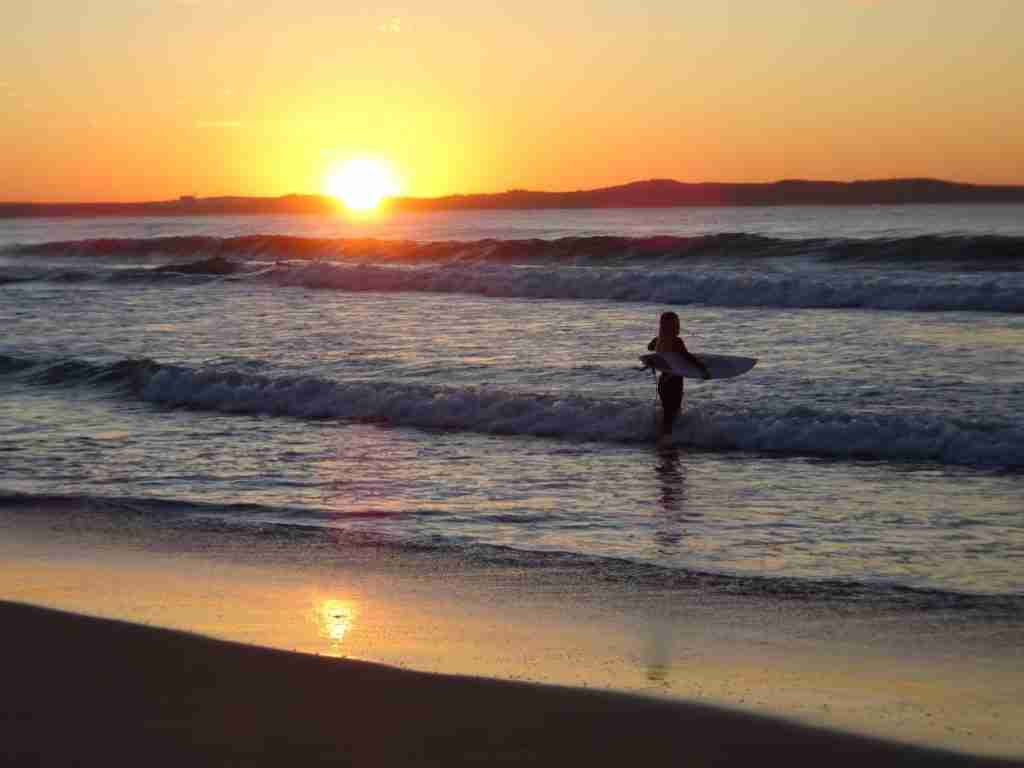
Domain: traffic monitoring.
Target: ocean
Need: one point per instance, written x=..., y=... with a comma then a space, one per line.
x=467, y=383
x=425, y=440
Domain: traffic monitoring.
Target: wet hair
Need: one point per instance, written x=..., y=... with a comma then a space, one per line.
x=667, y=329
x=668, y=324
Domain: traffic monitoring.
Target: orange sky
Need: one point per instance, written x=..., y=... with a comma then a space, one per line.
x=151, y=99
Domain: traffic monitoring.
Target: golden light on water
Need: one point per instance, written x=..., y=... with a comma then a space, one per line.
x=335, y=619
x=361, y=183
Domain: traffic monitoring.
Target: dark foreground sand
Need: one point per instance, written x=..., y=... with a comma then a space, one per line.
x=76, y=690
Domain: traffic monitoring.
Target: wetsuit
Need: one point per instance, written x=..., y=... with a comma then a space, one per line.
x=670, y=388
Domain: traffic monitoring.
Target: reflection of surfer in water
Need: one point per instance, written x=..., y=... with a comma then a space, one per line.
x=670, y=386
x=671, y=525
x=672, y=481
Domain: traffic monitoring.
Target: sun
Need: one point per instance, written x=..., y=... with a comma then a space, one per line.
x=361, y=183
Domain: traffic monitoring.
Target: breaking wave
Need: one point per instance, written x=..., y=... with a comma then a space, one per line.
x=705, y=287
x=799, y=431
x=961, y=252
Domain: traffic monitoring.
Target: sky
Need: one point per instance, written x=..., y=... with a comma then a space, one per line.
x=151, y=99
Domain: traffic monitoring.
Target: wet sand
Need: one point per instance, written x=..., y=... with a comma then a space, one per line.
x=101, y=692
x=712, y=672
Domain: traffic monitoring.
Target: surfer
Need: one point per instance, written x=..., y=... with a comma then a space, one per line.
x=670, y=387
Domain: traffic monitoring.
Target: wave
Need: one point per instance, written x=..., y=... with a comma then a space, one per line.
x=289, y=525
x=787, y=431
x=925, y=273
x=961, y=252
x=704, y=287
x=214, y=266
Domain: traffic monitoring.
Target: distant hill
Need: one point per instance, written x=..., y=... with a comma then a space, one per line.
x=662, y=193
x=655, y=193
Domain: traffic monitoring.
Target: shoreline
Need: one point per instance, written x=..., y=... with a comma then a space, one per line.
x=925, y=678
x=102, y=691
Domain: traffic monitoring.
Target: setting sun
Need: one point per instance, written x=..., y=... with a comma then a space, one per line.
x=361, y=183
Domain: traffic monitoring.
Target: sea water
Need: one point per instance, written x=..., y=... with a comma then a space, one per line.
x=468, y=383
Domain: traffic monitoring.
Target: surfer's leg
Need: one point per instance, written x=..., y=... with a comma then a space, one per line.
x=671, y=391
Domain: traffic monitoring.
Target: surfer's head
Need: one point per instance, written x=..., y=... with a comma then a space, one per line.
x=668, y=326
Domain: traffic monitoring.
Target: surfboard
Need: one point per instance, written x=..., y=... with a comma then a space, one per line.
x=720, y=366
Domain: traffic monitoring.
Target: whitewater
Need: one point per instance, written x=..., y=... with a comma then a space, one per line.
x=468, y=383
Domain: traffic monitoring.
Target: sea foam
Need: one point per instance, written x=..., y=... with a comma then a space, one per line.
x=792, y=431
x=702, y=287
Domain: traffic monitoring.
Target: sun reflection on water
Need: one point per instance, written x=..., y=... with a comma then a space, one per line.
x=334, y=619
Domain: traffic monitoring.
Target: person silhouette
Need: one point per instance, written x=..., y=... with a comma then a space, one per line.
x=670, y=386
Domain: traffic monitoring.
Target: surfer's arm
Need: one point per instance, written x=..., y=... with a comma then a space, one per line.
x=654, y=343
x=694, y=359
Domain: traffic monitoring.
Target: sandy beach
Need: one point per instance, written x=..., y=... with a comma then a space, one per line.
x=86, y=691
x=332, y=653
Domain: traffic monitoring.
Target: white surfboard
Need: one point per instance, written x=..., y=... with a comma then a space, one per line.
x=720, y=366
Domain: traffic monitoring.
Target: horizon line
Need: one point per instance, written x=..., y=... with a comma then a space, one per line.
x=523, y=190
